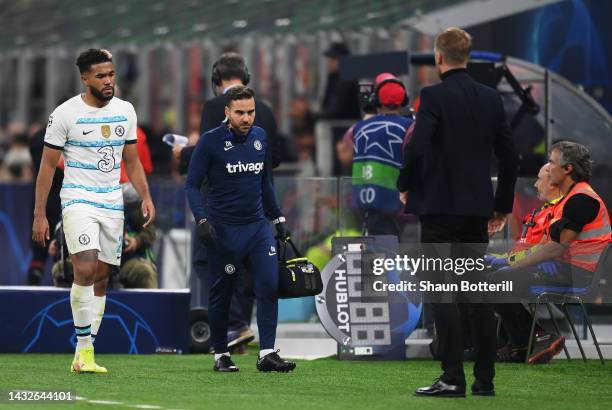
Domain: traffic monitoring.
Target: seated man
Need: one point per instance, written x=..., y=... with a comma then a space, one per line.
x=579, y=231
x=535, y=224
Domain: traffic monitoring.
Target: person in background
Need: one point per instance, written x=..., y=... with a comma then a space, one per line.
x=144, y=154
x=374, y=148
x=340, y=98
x=535, y=224
x=54, y=209
x=137, y=268
x=229, y=71
x=17, y=163
x=578, y=231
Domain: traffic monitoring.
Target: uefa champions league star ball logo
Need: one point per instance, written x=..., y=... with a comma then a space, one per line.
x=230, y=269
x=364, y=139
x=257, y=145
x=52, y=328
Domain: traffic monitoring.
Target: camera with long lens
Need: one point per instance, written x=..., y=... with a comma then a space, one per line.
x=365, y=98
x=367, y=105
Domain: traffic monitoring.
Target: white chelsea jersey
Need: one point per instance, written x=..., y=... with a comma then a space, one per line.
x=92, y=140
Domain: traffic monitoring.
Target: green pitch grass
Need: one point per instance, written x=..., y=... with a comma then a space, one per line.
x=188, y=382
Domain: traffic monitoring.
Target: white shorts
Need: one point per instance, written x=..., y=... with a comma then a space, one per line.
x=85, y=231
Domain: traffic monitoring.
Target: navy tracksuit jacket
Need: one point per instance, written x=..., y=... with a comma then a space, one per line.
x=239, y=187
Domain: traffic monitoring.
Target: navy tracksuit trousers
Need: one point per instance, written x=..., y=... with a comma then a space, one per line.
x=253, y=246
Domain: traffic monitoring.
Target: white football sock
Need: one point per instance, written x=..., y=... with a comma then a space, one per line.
x=265, y=352
x=81, y=299
x=99, y=302
x=218, y=355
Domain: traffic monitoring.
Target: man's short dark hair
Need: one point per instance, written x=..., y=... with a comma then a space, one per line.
x=229, y=66
x=337, y=50
x=92, y=56
x=239, y=92
x=576, y=155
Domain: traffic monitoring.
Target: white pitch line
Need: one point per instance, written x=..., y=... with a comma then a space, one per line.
x=105, y=402
x=119, y=403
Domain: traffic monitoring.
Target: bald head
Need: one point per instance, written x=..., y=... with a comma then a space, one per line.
x=546, y=190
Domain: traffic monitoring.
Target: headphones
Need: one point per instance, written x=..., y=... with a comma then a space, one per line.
x=231, y=64
x=375, y=101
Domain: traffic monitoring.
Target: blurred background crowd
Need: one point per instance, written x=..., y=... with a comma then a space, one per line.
x=163, y=53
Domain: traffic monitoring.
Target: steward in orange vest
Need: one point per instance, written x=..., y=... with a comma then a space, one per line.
x=585, y=250
x=580, y=226
x=535, y=225
x=578, y=232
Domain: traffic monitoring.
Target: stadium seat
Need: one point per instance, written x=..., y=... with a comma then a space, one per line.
x=571, y=295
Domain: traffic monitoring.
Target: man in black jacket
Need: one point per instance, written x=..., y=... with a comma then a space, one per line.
x=54, y=206
x=446, y=181
x=36, y=270
x=341, y=97
x=230, y=71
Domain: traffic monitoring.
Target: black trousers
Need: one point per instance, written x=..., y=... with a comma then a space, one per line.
x=40, y=253
x=457, y=230
x=515, y=318
x=380, y=223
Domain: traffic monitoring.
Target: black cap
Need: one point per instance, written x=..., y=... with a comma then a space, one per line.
x=337, y=50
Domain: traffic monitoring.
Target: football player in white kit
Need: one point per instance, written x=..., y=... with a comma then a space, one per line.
x=94, y=131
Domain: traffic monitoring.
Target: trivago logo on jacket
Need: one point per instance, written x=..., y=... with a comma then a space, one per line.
x=255, y=167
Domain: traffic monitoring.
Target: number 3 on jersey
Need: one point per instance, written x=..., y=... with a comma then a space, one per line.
x=107, y=163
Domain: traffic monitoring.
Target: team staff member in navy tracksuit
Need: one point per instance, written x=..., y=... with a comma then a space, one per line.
x=233, y=225
x=229, y=71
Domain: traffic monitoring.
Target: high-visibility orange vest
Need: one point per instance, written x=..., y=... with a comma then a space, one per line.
x=584, y=252
x=535, y=227
x=536, y=223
